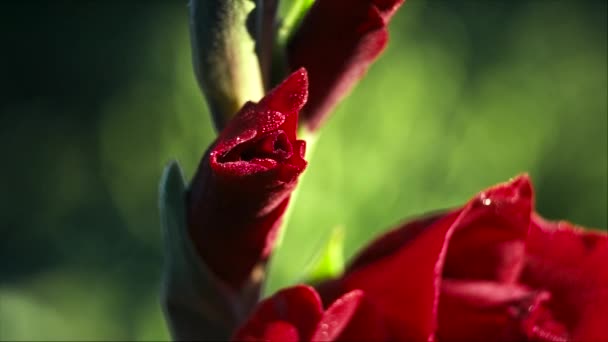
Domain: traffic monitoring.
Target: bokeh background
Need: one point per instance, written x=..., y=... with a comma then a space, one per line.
x=97, y=96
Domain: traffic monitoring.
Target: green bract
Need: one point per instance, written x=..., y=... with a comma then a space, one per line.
x=195, y=303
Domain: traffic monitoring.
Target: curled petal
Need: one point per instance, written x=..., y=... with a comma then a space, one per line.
x=351, y=318
x=402, y=285
x=570, y=262
x=242, y=186
x=289, y=315
x=489, y=241
x=493, y=311
x=296, y=314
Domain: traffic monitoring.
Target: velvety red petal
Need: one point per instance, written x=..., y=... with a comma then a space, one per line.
x=570, y=262
x=281, y=332
x=291, y=96
x=277, y=111
x=337, y=316
x=351, y=318
x=291, y=314
x=489, y=242
x=493, y=311
x=403, y=285
x=390, y=242
x=242, y=186
x=401, y=272
x=336, y=42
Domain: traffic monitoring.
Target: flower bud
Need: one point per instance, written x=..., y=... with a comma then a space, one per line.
x=243, y=184
x=336, y=42
x=219, y=231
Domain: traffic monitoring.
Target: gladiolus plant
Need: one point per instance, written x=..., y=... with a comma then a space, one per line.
x=491, y=269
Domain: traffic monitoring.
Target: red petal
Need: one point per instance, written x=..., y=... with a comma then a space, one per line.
x=570, y=263
x=489, y=243
x=292, y=311
x=390, y=242
x=403, y=285
x=281, y=332
x=278, y=109
x=351, y=318
x=290, y=96
x=337, y=316
x=492, y=311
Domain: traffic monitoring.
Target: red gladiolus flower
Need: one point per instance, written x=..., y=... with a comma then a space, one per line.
x=490, y=271
x=336, y=42
x=243, y=184
x=570, y=264
x=296, y=314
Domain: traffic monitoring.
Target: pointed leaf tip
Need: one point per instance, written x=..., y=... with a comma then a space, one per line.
x=329, y=261
x=171, y=187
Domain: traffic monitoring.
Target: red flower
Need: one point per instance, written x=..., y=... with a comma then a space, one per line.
x=296, y=314
x=243, y=184
x=489, y=271
x=570, y=264
x=336, y=42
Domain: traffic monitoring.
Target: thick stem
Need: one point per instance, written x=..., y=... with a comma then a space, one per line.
x=224, y=57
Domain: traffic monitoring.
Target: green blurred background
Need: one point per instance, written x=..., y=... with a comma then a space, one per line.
x=97, y=96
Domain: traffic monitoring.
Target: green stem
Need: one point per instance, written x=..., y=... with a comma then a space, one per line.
x=294, y=16
x=287, y=27
x=224, y=57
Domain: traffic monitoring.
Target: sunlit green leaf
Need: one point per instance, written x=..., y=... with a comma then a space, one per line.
x=329, y=262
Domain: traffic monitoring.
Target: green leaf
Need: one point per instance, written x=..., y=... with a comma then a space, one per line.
x=196, y=304
x=329, y=262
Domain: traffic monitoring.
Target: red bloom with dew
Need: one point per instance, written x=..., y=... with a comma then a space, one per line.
x=243, y=184
x=492, y=270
